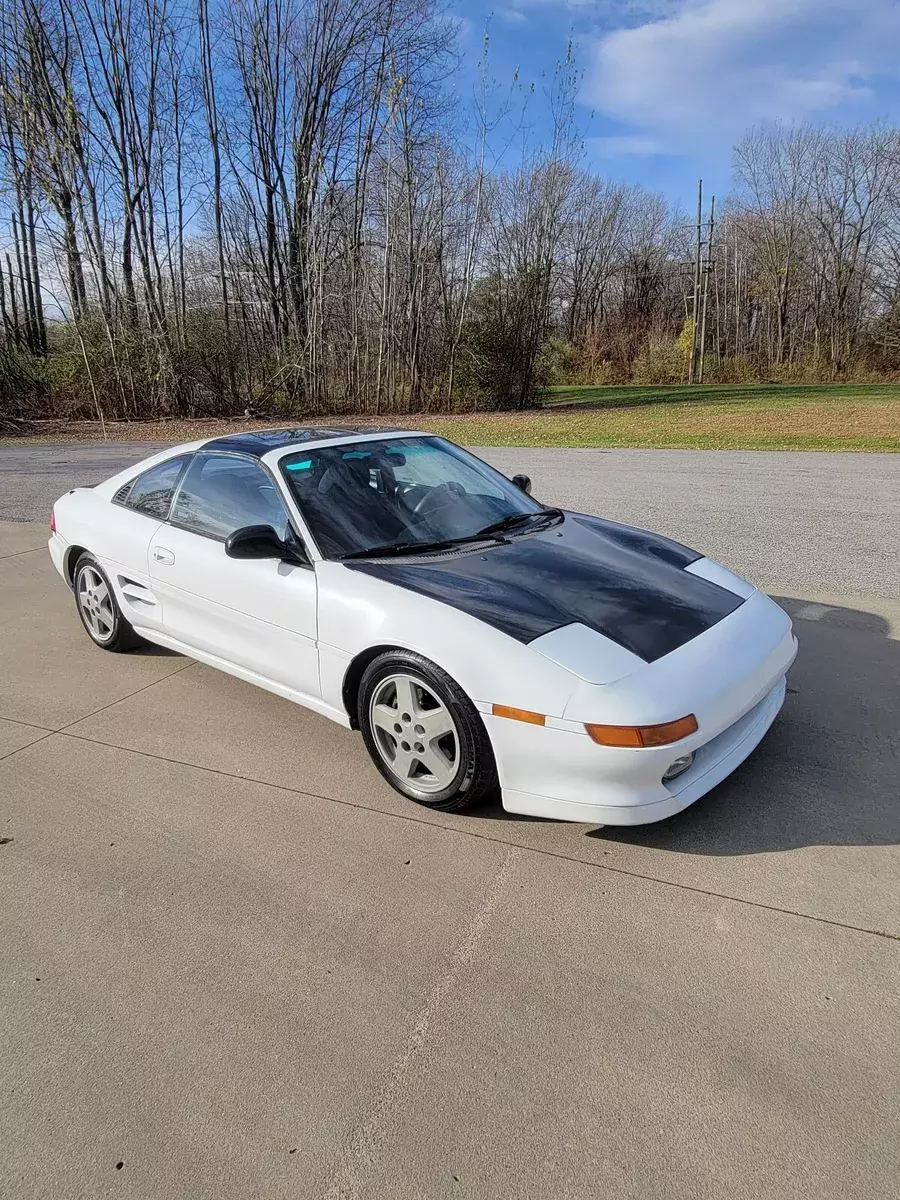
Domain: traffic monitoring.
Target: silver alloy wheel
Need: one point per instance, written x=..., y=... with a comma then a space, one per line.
x=95, y=604
x=415, y=734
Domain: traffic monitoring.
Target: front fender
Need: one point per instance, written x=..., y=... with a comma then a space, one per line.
x=357, y=612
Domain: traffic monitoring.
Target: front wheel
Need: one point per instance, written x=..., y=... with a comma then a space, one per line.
x=98, y=608
x=423, y=732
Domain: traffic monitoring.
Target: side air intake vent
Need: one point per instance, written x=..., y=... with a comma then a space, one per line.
x=122, y=494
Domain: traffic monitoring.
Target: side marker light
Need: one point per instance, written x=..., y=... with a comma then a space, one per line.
x=518, y=714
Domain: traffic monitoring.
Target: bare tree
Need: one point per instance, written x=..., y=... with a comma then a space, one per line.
x=279, y=206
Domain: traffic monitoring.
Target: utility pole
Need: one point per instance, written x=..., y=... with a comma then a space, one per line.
x=706, y=274
x=692, y=367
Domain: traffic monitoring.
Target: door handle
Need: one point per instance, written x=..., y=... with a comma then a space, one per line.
x=162, y=555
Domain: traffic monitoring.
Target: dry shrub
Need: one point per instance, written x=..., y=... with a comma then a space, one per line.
x=660, y=363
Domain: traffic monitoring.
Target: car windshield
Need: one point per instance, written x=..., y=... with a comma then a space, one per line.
x=399, y=492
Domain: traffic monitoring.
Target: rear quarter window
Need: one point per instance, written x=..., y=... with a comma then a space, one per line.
x=151, y=493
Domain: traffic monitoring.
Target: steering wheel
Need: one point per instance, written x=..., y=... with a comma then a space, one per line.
x=438, y=497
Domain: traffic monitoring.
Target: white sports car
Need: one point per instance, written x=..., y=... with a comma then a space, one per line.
x=395, y=583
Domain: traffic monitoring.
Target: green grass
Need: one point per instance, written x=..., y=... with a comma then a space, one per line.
x=764, y=417
x=740, y=417
x=762, y=394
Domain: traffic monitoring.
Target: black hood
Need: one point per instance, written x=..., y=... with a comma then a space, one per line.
x=625, y=583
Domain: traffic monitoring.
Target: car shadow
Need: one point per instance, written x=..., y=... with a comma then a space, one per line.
x=828, y=771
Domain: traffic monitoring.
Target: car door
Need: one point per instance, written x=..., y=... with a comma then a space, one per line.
x=255, y=614
x=137, y=510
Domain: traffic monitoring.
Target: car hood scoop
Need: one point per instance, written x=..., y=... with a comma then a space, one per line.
x=627, y=584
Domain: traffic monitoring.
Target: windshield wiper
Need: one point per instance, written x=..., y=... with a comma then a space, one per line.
x=490, y=533
x=513, y=520
x=400, y=548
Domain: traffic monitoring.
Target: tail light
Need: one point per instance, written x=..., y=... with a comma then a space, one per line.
x=53, y=520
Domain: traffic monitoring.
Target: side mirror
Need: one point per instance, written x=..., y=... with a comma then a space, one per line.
x=261, y=541
x=523, y=483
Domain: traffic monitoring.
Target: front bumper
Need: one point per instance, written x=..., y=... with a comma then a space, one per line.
x=713, y=762
x=732, y=678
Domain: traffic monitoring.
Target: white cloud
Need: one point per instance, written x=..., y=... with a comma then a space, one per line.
x=714, y=67
x=614, y=12
x=625, y=144
x=512, y=16
x=463, y=25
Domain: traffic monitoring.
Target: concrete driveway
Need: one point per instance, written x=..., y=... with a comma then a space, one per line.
x=236, y=965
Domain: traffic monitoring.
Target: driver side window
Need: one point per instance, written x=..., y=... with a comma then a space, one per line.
x=221, y=493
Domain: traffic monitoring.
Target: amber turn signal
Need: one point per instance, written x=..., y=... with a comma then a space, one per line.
x=518, y=714
x=636, y=736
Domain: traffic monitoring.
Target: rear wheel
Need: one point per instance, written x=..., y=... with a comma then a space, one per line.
x=423, y=732
x=98, y=608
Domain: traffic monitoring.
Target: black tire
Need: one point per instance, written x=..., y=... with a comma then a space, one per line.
x=476, y=772
x=121, y=636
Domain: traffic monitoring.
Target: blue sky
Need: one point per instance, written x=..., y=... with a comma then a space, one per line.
x=669, y=85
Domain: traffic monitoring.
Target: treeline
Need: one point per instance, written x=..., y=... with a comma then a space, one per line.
x=277, y=206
